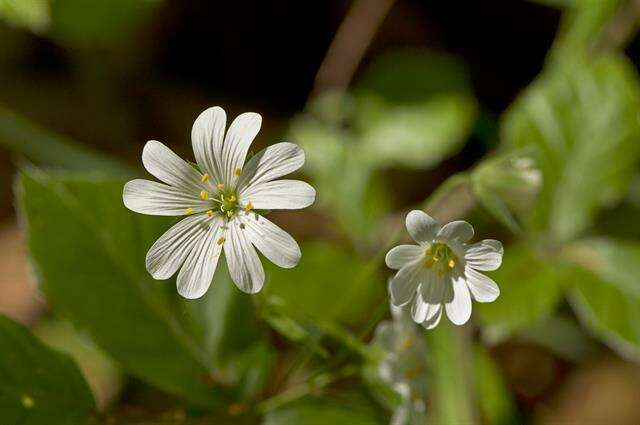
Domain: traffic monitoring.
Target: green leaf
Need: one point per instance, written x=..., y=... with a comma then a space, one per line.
x=99, y=23
x=20, y=135
x=582, y=126
x=37, y=384
x=31, y=14
x=103, y=376
x=531, y=287
x=88, y=253
x=419, y=135
x=339, y=273
x=607, y=297
x=414, y=75
x=496, y=404
x=337, y=409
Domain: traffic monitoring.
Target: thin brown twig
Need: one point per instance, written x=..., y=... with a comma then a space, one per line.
x=350, y=44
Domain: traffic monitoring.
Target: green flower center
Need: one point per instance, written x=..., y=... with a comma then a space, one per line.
x=440, y=258
x=228, y=203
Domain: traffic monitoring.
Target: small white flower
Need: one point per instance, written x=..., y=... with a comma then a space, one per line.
x=219, y=202
x=441, y=272
x=404, y=366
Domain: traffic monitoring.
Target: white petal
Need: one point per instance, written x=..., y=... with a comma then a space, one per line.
x=434, y=320
x=241, y=133
x=271, y=163
x=401, y=255
x=207, y=136
x=170, y=250
x=243, y=262
x=459, y=308
x=432, y=294
x=197, y=272
x=484, y=255
x=168, y=167
x=274, y=243
x=147, y=197
x=457, y=231
x=279, y=195
x=482, y=287
x=421, y=226
x=404, y=284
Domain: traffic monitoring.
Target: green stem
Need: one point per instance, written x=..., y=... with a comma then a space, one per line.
x=452, y=368
x=312, y=384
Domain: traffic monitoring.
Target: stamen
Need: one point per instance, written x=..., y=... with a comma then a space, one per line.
x=229, y=214
x=188, y=211
x=204, y=177
x=210, y=213
x=232, y=198
x=220, y=186
x=248, y=207
x=204, y=195
x=451, y=264
x=237, y=171
x=221, y=240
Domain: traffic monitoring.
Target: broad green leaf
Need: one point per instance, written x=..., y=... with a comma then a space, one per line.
x=40, y=146
x=336, y=409
x=31, y=14
x=496, y=404
x=581, y=123
x=414, y=75
x=37, y=384
x=88, y=253
x=103, y=376
x=451, y=358
x=531, y=287
x=329, y=283
x=420, y=135
x=607, y=298
x=99, y=23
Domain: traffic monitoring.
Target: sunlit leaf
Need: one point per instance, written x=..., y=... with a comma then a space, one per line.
x=31, y=14
x=37, y=384
x=582, y=124
x=88, y=253
x=607, y=298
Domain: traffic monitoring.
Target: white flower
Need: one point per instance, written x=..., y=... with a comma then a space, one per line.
x=219, y=202
x=404, y=366
x=441, y=272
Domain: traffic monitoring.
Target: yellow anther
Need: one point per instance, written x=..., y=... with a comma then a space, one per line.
x=237, y=171
x=204, y=195
x=221, y=240
x=220, y=186
x=229, y=214
x=188, y=211
x=210, y=213
x=204, y=177
x=27, y=401
x=232, y=198
x=248, y=207
x=451, y=264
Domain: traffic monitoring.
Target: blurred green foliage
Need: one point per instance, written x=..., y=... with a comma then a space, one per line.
x=38, y=385
x=564, y=176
